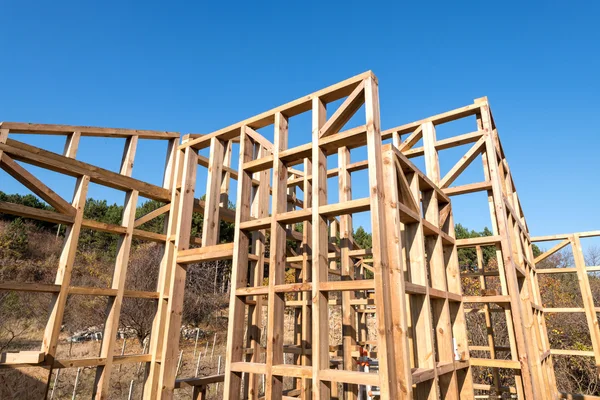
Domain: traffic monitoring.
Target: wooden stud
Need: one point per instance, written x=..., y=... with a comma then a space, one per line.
x=320, y=315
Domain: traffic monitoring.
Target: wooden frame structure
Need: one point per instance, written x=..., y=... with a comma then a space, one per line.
x=295, y=257
x=519, y=296
x=581, y=270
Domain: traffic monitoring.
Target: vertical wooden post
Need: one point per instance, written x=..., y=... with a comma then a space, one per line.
x=501, y=270
x=101, y=388
x=435, y=261
x=173, y=175
x=522, y=340
x=422, y=324
x=72, y=144
x=320, y=265
x=347, y=270
x=389, y=382
x=210, y=227
x=3, y=137
x=276, y=301
x=464, y=376
x=306, y=388
x=239, y=275
x=182, y=198
x=260, y=209
x=488, y=318
x=226, y=175
x=396, y=270
x=63, y=275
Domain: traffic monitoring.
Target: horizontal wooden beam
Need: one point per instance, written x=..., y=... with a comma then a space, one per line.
x=22, y=357
x=479, y=241
x=564, y=236
x=50, y=129
x=201, y=381
x=205, y=254
x=486, y=362
x=469, y=188
x=79, y=290
x=35, y=213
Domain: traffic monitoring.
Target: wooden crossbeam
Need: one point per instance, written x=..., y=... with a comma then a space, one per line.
x=64, y=165
x=151, y=215
x=28, y=180
x=49, y=129
x=463, y=163
x=345, y=111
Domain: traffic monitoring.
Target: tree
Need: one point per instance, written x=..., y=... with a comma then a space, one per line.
x=467, y=258
x=363, y=239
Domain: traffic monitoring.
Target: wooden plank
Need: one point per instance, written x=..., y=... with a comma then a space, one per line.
x=345, y=111
x=347, y=207
x=564, y=236
x=50, y=129
x=35, y=213
x=396, y=270
x=410, y=141
x=258, y=138
x=3, y=138
x=484, y=362
x=306, y=276
x=171, y=181
x=259, y=209
x=28, y=180
x=479, y=241
x=72, y=144
x=64, y=165
x=239, y=278
x=276, y=305
x=22, y=357
x=199, y=381
x=320, y=265
x=424, y=348
x=436, y=266
x=463, y=163
x=352, y=377
x=347, y=269
x=553, y=250
x=63, y=275
x=389, y=382
x=183, y=200
x=468, y=188
x=151, y=215
x=210, y=226
x=208, y=253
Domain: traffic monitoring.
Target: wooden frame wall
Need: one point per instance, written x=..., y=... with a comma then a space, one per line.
x=68, y=213
x=319, y=261
x=581, y=269
x=409, y=280
x=529, y=348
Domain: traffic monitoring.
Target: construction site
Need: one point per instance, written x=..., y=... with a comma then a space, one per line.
x=311, y=310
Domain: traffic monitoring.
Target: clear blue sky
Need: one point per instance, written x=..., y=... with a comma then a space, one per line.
x=196, y=67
